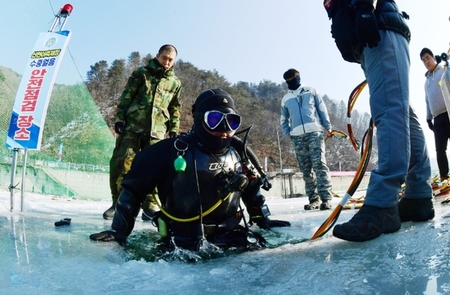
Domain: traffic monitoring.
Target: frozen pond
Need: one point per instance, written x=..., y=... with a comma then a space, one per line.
x=39, y=258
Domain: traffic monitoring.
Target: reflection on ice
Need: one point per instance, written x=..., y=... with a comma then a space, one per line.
x=39, y=258
x=20, y=238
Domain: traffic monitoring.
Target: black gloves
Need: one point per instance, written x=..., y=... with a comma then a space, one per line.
x=260, y=216
x=108, y=236
x=118, y=127
x=279, y=223
x=366, y=25
x=172, y=134
x=266, y=223
x=430, y=125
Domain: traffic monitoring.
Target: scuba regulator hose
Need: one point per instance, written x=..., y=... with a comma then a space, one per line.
x=246, y=154
x=240, y=145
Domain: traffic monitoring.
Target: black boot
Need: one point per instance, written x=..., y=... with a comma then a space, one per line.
x=109, y=214
x=369, y=223
x=65, y=221
x=313, y=204
x=326, y=205
x=416, y=209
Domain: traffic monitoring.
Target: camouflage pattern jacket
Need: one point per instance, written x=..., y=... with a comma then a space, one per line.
x=150, y=102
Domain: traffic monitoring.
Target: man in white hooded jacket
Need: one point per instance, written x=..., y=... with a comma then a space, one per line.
x=304, y=118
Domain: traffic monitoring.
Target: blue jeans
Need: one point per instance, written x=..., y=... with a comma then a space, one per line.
x=402, y=152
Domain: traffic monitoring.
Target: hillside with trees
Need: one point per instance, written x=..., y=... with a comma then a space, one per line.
x=258, y=104
x=73, y=121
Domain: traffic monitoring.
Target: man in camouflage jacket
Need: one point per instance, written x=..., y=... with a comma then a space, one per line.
x=148, y=109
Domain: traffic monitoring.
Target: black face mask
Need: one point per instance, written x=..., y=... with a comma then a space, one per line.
x=294, y=83
x=208, y=141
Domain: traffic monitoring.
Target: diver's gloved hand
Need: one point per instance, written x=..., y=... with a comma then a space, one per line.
x=366, y=24
x=109, y=236
x=172, y=134
x=266, y=223
x=279, y=223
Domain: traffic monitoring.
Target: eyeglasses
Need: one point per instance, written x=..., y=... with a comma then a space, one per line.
x=214, y=118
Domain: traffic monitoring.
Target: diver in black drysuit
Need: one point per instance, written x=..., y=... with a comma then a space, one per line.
x=201, y=201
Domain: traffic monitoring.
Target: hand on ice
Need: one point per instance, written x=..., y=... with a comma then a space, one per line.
x=108, y=236
x=266, y=223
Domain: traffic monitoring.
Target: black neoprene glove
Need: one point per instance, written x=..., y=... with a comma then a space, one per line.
x=109, y=236
x=266, y=223
x=172, y=134
x=118, y=127
x=366, y=24
x=430, y=125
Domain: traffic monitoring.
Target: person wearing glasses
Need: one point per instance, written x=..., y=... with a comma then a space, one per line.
x=304, y=118
x=201, y=178
x=148, y=109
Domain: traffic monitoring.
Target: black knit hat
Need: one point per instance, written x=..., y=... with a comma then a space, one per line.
x=290, y=74
x=212, y=99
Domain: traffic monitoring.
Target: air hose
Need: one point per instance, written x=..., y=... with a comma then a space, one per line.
x=239, y=145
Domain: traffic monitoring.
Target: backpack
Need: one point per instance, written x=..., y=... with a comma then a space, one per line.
x=342, y=17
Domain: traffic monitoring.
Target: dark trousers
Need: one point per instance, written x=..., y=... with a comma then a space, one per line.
x=441, y=131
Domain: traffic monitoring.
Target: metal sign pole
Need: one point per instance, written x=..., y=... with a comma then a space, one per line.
x=24, y=171
x=13, y=175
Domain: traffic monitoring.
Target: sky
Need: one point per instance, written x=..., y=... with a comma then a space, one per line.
x=250, y=41
x=39, y=258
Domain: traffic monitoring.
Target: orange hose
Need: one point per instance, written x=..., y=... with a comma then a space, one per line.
x=362, y=165
x=351, y=103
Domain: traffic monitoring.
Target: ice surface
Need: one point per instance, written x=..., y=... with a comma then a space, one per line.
x=38, y=258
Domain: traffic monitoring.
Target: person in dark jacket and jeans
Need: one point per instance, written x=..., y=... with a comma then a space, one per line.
x=382, y=38
x=304, y=118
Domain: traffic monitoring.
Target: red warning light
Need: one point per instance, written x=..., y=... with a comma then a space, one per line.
x=67, y=9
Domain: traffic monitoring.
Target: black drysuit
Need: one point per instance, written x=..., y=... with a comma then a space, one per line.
x=208, y=180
